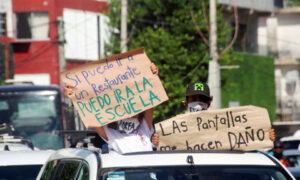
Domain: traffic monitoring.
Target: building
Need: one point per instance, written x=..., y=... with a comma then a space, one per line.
x=50, y=36
x=273, y=30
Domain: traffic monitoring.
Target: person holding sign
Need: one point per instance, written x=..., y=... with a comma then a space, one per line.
x=128, y=135
x=198, y=98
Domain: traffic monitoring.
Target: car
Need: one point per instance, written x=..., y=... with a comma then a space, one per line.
x=295, y=172
x=85, y=164
x=293, y=162
x=293, y=157
x=22, y=164
x=291, y=142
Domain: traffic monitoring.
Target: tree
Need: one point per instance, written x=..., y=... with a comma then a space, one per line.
x=166, y=30
x=292, y=3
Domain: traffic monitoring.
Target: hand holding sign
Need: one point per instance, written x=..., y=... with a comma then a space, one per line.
x=240, y=128
x=114, y=88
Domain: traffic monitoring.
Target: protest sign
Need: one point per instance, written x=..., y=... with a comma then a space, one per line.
x=239, y=128
x=114, y=88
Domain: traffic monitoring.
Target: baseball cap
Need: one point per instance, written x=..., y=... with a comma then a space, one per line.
x=278, y=144
x=198, y=88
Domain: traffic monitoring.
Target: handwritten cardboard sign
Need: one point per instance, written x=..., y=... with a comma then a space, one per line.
x=114, y=88
x=240, y=128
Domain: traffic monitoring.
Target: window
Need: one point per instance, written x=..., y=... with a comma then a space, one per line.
x=28, y=172
x=32, y=25
x=2, y=24
x=33, y=115
x=61, y=169
x=49, y=169
x=84, y=172
x=67, y=170
x=211, y=172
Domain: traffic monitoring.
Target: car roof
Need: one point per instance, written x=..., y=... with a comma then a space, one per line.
x=9, y=88
x=291, y=152
x=181, y=158
x=11, y=158
x=14, y=146
x=114, y=160
x=290, y=138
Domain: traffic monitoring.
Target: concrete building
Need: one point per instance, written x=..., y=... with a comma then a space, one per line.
x=280, y=34
x=268, y=29
x=50, y=36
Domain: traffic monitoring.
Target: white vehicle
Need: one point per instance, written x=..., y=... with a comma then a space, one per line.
x=291, y=142
x=83, y=164
x=22, y=164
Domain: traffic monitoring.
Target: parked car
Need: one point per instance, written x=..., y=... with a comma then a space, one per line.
x=291, y=142
x=83, y=164
x=293, y=159
x=295, y=172
x=23, y=164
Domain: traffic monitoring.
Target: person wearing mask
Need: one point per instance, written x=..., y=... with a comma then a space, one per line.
x=198, y=98
x=128, y=135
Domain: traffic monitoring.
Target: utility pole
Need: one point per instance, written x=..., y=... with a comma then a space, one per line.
x=61, y=45
x=124, y=26
x=99, y=36
x=214, y=66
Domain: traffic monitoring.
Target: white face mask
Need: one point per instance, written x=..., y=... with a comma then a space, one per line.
x=197, y=106
x=128, y=125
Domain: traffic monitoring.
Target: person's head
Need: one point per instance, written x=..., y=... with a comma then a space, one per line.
x=278, y=149
x=278, y=146
x=197, y=97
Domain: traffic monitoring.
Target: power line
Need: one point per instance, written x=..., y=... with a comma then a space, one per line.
x=36, y=54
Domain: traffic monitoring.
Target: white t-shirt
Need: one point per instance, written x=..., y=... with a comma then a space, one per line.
x=139, y=140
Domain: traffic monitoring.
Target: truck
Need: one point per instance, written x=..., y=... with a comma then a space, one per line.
x=42, y=115
x=34, y=113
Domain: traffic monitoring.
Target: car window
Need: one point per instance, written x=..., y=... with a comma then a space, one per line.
x=67, y=170
x=83, y=173
x=28, y=172
x=49, y=170
x=61, y=169
x=197, y=173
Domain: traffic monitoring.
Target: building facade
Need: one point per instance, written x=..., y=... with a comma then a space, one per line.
x=267, y=28
x=50, y=36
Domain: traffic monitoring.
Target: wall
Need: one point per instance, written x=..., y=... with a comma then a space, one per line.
x=6, y=7
x=85, y=34
x=253, y=83
x=279, y=36
x=259, y=5
x=288, y=35
x=37, y=56
x=42, y=56
x=288, y=92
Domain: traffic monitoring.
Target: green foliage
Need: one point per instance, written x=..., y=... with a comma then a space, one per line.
x=252, y=84
x=166, y=31
x=292, y=3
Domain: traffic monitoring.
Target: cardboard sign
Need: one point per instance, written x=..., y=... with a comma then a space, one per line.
x=114, y=88
x=240, y=128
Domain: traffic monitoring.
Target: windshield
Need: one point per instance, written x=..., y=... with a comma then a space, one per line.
x=28, y=172
x=291, y=144
x=197, y=173
x=33, y=115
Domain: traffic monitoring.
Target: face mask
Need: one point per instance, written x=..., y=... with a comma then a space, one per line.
x=128, y=125
x=197, y=106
